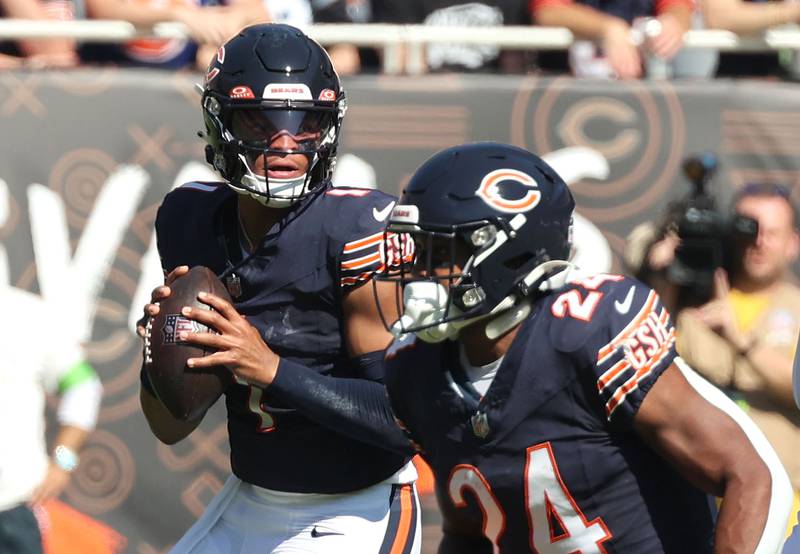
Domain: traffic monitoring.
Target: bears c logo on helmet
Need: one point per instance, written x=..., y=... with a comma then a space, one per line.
x=489, y=191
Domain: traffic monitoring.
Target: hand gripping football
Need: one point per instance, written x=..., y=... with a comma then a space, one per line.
x=186, y=392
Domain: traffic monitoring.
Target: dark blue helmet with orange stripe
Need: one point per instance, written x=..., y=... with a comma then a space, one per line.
x=491, y=223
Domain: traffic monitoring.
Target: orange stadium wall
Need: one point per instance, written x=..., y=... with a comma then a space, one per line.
x=87, y=155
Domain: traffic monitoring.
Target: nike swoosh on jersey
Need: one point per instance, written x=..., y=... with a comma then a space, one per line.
x=315, y=533
x=380, y=215
x=625, y=306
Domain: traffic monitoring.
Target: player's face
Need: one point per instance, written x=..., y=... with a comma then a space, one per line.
x=281, y=141
x=439, y=256
x=282, y=166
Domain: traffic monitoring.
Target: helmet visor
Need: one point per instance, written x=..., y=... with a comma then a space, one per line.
x=259, y=127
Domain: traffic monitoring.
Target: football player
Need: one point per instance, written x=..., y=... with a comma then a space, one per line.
x=551, y=405
x=309, y=422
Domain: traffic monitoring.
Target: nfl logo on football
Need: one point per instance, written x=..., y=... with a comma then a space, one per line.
x=174, y=325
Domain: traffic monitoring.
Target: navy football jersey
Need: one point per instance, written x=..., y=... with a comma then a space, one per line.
x=548, y=461
x=291, y=289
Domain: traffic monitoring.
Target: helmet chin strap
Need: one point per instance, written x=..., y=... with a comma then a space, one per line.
x=268, y=192
x=276, y=186
x=510, y=313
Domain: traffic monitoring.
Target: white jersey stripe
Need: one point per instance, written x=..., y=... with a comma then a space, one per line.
x=200, y=186
x=780, y=503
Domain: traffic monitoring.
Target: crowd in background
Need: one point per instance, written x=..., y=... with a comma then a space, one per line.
x=614, y=38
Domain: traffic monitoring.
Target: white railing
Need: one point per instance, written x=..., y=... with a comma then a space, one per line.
x=402, y=45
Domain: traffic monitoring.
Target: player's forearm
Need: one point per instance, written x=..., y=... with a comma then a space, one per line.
x=743, y=512
x=358, y=408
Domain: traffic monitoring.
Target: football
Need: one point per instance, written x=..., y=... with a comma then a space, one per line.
x=186, y=392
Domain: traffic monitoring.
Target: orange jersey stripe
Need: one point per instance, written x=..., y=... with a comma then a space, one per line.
x=363, y=243
x=362, y=262
x=643, y=372
x=612, y=373
x=404, y=525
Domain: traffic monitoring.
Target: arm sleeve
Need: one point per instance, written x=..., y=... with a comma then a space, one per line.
x=358, y=408
x=81, y=392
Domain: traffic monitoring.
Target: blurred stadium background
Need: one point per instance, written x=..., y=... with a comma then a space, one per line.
x=87, y=154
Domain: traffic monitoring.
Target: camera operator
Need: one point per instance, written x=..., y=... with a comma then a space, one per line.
x=726, y=281
x=743, y=338
x=680, y=256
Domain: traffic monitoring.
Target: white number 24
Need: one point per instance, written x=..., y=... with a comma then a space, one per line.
x=547, y=498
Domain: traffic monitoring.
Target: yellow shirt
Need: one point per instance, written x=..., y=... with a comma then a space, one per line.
x=748, y=307
x=774, y=321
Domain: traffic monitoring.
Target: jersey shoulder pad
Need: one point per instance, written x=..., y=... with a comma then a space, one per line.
x=601, y=303
x=195, y=195
x=353, y=213
x=356, y=219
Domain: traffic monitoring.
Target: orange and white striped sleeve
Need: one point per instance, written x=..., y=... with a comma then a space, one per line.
x=363, y=257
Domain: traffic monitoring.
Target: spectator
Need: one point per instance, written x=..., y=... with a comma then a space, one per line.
x=459, y=57
x=744, y=339
x=296, y=13
x=210, y=23
x=748, y=18
x=347, y=58
x=41, y=52
x=618, y=27
x=32, y=366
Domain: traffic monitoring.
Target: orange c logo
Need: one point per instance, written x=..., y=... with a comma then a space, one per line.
x=490, y=193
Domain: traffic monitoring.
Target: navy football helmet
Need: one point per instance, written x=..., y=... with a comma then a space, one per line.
x=267, y=81
x=491, y=225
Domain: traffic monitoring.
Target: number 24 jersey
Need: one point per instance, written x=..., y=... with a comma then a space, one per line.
x=547, y=460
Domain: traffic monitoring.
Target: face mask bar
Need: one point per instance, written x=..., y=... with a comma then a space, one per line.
x=248, y=129
x=430, y=279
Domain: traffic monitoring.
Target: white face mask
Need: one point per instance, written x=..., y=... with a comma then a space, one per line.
x=425, y=303
x=282, y=192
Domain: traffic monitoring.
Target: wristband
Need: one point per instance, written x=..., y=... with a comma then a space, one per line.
x=65, y=458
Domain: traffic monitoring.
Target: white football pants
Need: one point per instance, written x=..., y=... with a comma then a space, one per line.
x=246, y=519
